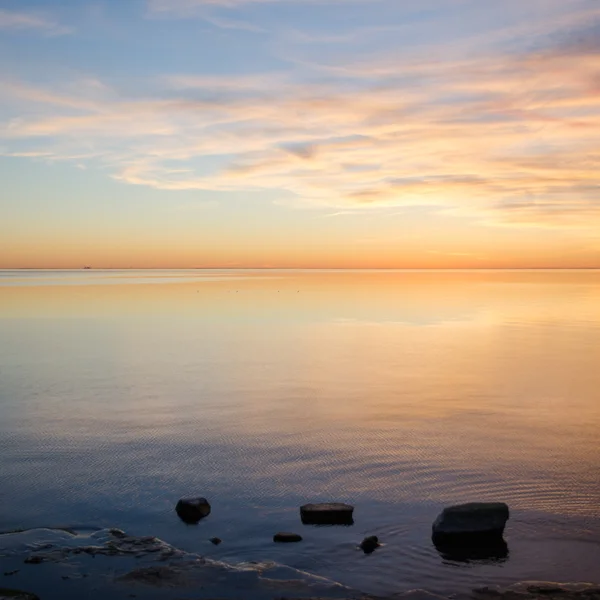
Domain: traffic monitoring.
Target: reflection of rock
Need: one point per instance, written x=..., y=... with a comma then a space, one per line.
x=476, y=520
x=467, y=550
x=7, y=594
x=334, y=513
x=369, y=544
x=191, y=510
x=287, y=537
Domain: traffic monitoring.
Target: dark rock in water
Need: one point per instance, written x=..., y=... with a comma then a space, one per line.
x=369, y=544
x=216, y=541
x=287, y=537
x=8, y=594
x=191, y=510
x=334, y=513
x=477, y=521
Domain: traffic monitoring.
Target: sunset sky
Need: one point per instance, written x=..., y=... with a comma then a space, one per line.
x=299, y=133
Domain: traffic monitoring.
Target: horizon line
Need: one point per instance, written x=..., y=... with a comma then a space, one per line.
x=299, y=269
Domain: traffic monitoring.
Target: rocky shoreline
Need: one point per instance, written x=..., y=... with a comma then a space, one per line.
x=111, y=563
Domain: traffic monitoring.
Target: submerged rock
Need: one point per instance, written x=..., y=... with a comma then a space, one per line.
x=330, y=513
x=129, y=564
x=157, y=576
x=536, y=590
x=191, y=510
x=110, y=543
x=369, y=544
x=471, y=522
x=8, y=594
x=418, y=594
x=287, y=537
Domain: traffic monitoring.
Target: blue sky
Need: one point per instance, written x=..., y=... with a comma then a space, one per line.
x=291, y=133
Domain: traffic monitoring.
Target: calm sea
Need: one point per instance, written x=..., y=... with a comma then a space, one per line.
x=397, y=391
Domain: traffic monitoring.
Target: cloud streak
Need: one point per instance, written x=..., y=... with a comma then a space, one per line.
x=13, y=20
x=187, y=6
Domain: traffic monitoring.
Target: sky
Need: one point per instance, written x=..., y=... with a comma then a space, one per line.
x=300, y=133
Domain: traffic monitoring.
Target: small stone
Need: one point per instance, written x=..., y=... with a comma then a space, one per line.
x=191, y=510
x=117, y=533
x=287, y=537
x=34, y=560
x=369, y=544
x=328, y=513
x=216, y=541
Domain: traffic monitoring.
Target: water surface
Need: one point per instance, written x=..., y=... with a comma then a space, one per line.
x=397, y=391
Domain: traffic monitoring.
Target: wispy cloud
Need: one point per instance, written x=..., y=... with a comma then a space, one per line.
x=503, y=137
x=234, y=24
x=31, y=20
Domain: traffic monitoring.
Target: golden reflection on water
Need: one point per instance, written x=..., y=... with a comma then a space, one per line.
x=417, y=297
x=423, y=385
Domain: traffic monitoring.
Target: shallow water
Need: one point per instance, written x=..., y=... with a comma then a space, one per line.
x=399, y=392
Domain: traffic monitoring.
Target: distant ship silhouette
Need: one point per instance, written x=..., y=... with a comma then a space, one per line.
x=87, y=267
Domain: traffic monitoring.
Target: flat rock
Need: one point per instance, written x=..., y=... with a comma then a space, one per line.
x=473, y=520
x=191, y=510
x=329, y=513
x=287, y=537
